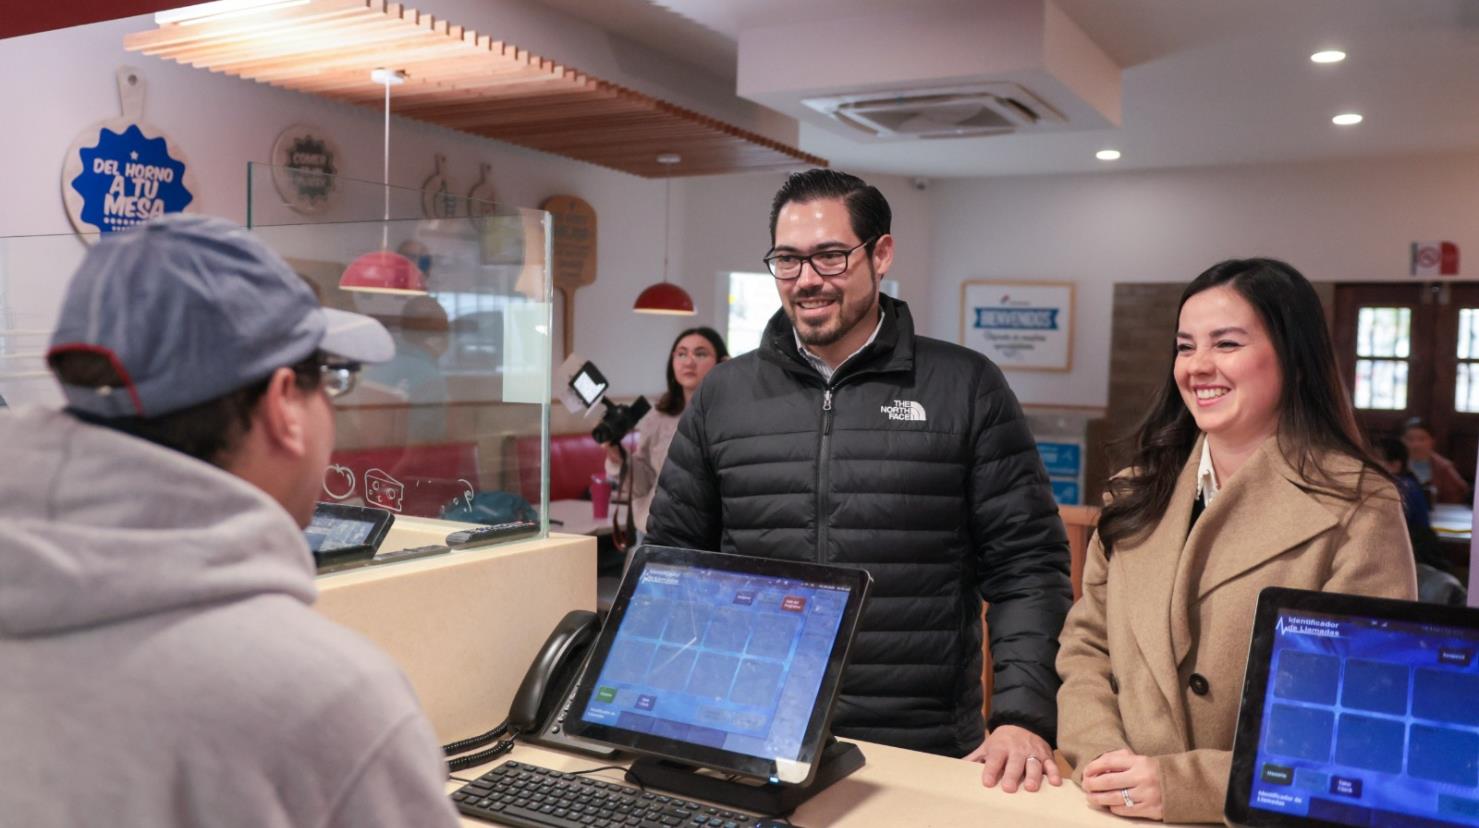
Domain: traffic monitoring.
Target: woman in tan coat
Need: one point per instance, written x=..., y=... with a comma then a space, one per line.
x=1248, y=472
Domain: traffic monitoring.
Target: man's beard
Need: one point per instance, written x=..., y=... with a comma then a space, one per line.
x=847, y=317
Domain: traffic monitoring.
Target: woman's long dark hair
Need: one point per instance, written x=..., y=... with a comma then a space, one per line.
x=671, y=402
x=1315, y=414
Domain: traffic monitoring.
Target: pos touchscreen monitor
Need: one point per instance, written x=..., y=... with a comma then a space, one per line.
x=341, y=535
x=1357, y=712
x=725, y=662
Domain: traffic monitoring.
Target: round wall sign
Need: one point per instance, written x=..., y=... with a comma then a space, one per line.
x=305, y=168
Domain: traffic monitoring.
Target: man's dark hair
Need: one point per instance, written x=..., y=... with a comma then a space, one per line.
x=1393, y=450
x=209, y=431
x=867, y=209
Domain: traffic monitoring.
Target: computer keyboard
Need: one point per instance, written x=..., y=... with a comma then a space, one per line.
x=516, y=793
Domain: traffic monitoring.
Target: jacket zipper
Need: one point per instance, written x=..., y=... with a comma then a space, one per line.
x=824, y=462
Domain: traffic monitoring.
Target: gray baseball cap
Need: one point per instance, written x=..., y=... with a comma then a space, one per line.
x=189, y=308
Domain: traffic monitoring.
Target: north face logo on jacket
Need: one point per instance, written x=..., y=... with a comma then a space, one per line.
x=904, y=410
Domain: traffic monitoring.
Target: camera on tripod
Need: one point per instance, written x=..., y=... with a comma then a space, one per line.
x=589, y=385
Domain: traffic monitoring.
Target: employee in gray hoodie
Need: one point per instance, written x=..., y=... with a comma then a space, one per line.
x=160, y=660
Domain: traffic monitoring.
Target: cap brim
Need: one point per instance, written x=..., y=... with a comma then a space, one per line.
x=356, y=337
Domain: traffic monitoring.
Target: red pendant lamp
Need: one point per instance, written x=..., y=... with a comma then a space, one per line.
x=665, y=297
x=384, y=271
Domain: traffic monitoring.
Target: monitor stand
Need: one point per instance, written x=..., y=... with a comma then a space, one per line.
x=768, y=799
x=344, y=557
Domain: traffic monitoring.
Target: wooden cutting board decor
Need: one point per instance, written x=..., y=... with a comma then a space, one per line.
x=572, y=253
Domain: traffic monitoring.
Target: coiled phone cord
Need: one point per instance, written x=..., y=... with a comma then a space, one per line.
x=477, y=741
x=464, y=762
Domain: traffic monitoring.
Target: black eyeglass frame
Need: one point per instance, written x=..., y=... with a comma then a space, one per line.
x=810, y=260
x=335, y=377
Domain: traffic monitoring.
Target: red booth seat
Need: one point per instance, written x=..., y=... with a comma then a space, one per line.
x=573, y=459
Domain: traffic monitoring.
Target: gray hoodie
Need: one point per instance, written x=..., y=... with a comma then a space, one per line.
x=160, y=663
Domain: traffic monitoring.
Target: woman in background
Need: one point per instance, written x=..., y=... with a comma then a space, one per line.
x=1437, y=474
x=694, y=354
x=1247, y=472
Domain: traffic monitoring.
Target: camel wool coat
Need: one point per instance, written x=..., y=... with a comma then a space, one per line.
x=1152, y=656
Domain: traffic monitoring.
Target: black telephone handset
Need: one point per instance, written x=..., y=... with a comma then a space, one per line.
x=537, y=715
x=543, y=700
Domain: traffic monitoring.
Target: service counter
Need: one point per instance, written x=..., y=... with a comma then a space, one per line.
x=895, y=788
x=464, y=627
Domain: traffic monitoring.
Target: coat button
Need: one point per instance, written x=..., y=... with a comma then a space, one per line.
x=1198, y=684
x=1114, y=685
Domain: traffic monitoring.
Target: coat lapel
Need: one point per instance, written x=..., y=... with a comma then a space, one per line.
x=1150, y=566
x=1259, y=515
x=1261, y=512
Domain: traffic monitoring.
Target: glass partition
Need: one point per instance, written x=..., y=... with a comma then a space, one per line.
x=34, y=271
x=454, y=427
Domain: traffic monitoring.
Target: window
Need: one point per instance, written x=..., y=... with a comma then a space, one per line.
x=1383, y=346
x=1411, y=349
x=488, y=331
x=752, y=301
x=1466, y=381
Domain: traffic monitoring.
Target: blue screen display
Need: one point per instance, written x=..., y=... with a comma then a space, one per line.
x=1370, y=722
x=326, y=533
x=721, y=659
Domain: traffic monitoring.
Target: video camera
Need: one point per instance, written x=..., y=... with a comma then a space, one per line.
x=589, y=385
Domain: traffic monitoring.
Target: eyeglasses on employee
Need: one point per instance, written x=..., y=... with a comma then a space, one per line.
x=787, y=266
x=338, y=378
x=335, y=377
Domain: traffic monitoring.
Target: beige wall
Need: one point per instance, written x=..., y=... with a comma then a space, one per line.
x=1337, y=221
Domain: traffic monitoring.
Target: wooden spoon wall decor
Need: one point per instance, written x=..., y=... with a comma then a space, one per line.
x=572, y=253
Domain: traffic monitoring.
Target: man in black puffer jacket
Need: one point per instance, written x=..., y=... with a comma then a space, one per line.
x=847, y=439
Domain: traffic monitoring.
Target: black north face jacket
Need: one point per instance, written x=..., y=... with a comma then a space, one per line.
x=916, y=464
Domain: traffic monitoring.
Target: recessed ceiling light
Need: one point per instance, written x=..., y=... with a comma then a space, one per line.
x=1347, y=119
x=1328, y=56
x=1107, y=155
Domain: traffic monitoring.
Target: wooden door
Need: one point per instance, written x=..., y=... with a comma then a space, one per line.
x=1411, y=349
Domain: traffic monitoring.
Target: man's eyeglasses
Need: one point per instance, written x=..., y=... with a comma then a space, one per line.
x=787, y=266
x=338, y=378
x=334, y=377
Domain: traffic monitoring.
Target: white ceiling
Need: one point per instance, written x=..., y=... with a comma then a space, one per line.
x=1206, y=82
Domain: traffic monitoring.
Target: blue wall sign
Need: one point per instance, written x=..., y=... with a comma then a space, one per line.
x=1061, y=459
x=1066, y=492
x=127, y=179
x=1023, y=319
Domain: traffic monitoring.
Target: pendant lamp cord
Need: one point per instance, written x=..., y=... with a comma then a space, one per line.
x=667, y=221
x=385, y=174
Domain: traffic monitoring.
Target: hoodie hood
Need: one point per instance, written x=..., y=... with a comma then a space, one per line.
x=98, y=527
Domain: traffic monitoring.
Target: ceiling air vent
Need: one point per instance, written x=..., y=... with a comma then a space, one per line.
x=952, y=112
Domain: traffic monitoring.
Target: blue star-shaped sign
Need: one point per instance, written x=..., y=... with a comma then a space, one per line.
x=128, y=179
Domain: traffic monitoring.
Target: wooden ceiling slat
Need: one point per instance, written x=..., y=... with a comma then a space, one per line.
x=559, y=125
x=324, y=16
x=598, y=134
x=306, y=48
x=575, y=109
x=463, y=80
x=513, y=96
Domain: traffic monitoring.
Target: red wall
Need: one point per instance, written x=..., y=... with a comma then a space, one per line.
x=27, y=16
